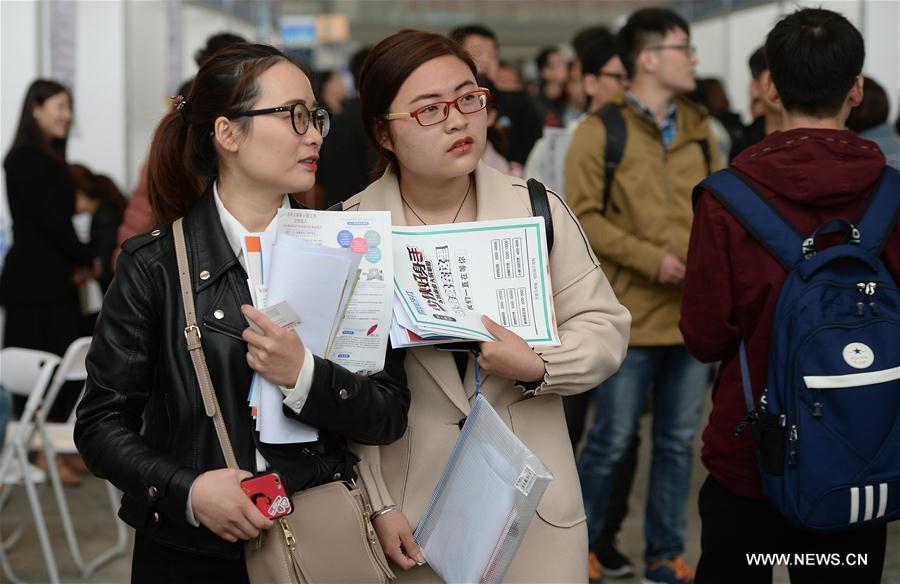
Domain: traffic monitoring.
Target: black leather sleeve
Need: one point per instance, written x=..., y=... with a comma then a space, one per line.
x=121, y=367
x=365, y=409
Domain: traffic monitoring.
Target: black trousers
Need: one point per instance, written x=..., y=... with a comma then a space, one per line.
x=153, y=563
x=735, y=528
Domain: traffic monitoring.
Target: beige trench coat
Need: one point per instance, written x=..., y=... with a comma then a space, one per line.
x=593, y=328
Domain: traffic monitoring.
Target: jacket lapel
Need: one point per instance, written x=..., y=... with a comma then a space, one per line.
x=442, y=368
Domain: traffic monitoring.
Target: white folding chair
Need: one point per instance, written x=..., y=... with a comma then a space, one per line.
x=25, y=372
x=57, y=438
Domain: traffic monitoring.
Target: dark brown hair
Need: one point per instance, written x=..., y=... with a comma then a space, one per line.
x=874, y=109
x=97, y=186
x=28, y=132
x=387, y=67
x=183, y=158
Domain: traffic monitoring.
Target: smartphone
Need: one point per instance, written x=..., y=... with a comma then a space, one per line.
x=266, y=491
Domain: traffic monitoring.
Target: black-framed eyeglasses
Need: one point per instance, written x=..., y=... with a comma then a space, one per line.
x=689, y=50
x=435, y=113
x=300, y=117
x=620, y=77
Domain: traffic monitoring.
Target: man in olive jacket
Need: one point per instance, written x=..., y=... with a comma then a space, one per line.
x=640, y=230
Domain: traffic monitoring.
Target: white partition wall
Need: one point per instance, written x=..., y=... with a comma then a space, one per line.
x=725, y=43
x=881, y=29
x=98, y=139
x=147, y=54
x=19, y=63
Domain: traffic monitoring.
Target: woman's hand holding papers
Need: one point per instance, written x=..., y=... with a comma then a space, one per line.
x=277, y=354
x=397, y=540
x=509, y=356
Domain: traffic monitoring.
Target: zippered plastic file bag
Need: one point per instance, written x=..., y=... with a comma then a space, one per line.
x=485, y=500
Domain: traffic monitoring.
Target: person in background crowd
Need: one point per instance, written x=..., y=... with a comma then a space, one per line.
x=347, y=157
x=767, y=115
x=331, y=91
x=552, y=98
x=496, y=146
x=639, y=228
x=215, y=43
x=47, y=262
x=576, y=99
x=509, y=79
x=603, y=74
x=99, y=196
x=897, y=123
x=431, y=151
x=702, y=94
x=719, y=106
x=518, y=115
x=223, y=160
x=869, y=120
x=811, y=172
x=604, y=77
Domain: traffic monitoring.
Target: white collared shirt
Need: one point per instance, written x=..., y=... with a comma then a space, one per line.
x=295, y=398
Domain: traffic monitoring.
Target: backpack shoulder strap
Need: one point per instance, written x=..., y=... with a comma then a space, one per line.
x=881, y=213
x=616, y=135
x=756, y=215
x=540, y=207
x=707, y=157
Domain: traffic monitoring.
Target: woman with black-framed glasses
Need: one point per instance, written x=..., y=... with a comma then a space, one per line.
x=248, y=132
x=422, y=106
x=301, y=117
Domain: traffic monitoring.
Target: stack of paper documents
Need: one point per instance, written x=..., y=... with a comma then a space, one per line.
x=448, y=276
x=321, y=274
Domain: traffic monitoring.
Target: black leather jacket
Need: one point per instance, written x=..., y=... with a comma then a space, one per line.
x=138, y=366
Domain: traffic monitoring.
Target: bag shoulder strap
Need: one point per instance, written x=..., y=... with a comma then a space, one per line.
x=882, y=212
x=775, y=233
x=707, y=156
x=616, y=135
x=195, y=347
x=540, y=207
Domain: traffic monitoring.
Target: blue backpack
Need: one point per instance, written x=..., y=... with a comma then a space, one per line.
x=827, y=426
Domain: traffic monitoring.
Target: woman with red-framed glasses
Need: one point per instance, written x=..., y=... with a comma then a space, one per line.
x=423, y=108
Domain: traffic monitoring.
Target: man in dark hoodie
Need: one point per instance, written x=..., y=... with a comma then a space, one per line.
x=812, y=171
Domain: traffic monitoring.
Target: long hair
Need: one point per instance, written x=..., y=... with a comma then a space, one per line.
x=183, y=157
x=386, y=68
x=28, y=131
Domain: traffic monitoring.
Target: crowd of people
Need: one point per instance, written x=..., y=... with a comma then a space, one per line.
x=654, y=281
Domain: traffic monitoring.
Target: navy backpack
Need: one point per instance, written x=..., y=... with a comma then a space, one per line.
x=828, y=425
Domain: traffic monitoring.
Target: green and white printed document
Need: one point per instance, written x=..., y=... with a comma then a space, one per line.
x=447, y=276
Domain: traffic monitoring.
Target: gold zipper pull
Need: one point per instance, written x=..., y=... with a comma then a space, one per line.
x=288, y=534
x=367, y=517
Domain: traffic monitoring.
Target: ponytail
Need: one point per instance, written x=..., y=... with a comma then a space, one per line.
x=183, y=158
x=171, y=186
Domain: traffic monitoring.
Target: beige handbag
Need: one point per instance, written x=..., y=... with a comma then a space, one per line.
x=329, y=537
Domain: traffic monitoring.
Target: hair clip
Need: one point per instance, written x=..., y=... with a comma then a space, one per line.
x=178, y=101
